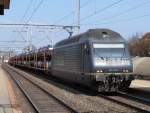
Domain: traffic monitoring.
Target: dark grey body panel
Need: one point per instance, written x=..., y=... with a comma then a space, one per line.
x=72, y=62
x=72, y=67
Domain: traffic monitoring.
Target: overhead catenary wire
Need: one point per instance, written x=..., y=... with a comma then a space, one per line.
x=130, y=9
x=15, y=39
x=22, y=18
x=101, y=10
x=32, y=14
x=72, y=12
x=35, y=10
x=85, y=3
x=123, y=12
x=121, y=20
x=135, y=18
x=27, y=9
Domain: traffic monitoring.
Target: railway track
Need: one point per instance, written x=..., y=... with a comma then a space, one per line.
x=131, y=103
x=79, y=101
x=135, y=108
x=137, y=98
x=41, y=100
x=139, y=93
x=136, y=103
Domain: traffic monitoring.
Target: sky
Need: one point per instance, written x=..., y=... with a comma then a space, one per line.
x=127, y=17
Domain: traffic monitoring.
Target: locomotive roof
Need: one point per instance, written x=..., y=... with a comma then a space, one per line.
x=101, y=35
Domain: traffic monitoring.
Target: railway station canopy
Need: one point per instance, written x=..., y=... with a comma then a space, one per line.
x=4, y=4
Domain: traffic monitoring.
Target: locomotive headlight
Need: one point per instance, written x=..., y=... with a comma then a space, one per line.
x=125, y=70
x=99, y=71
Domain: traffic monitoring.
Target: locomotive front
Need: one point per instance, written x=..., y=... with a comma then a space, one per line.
x=112, y=64
x=111, y=58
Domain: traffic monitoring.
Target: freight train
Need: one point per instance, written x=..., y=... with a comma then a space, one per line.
x=98, y=58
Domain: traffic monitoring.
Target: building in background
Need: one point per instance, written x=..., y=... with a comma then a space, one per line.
x=5, y=55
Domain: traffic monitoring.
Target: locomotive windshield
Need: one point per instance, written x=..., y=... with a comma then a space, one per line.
x=109, y=50
x=112, y=54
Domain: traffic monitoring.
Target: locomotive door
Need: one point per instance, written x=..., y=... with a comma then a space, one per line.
x=84, y=58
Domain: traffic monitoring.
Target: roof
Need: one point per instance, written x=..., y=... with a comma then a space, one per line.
x=101, y=35
x=4, y=4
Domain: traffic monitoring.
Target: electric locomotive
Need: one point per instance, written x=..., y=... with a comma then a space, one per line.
x=98, y=58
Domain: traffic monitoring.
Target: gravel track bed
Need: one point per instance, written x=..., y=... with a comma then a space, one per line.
x=133, y=103
x=82, y=102
x=19, y=102
x=40, y=99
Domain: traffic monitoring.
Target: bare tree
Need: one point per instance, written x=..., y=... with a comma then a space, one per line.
x=140, y=45
x=133, y=43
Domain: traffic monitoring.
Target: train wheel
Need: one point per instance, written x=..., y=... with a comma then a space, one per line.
x=124, y=86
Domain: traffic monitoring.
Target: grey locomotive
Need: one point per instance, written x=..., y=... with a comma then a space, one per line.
x=98, y=58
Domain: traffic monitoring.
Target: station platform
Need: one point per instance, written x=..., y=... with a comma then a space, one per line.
x=141, y=85
x=6, y=93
